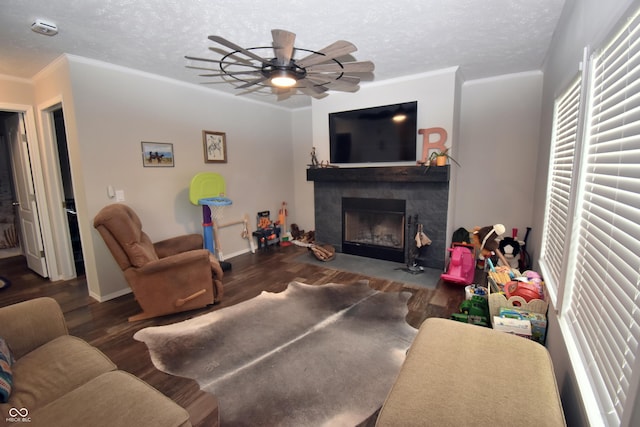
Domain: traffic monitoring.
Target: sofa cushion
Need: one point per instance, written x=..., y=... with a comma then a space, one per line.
x=113, y=399
x=55, y=369
x=6, y=376
x=141, y=253
x=458, y=374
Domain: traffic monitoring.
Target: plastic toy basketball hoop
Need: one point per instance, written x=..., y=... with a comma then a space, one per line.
x=217, y=205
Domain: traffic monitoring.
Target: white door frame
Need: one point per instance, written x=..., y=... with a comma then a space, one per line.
x=38, y=183
x=55, y=193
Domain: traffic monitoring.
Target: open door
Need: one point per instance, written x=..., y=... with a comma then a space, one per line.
x=30, y=231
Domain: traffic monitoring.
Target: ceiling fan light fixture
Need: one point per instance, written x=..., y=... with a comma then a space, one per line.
x=314, y=74
x=282, y=78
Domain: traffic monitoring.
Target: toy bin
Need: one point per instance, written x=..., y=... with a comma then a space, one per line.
x=498, y=300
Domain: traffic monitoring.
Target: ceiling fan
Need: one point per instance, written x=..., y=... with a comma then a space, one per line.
x=314, y=74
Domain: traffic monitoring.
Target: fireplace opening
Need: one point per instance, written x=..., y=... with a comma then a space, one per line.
x=374, y=228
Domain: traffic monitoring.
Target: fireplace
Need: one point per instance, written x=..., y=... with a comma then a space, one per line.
x=425, y=194
x=374, y=228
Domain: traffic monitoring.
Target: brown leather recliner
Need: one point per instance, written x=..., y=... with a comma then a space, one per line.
x=169, y=276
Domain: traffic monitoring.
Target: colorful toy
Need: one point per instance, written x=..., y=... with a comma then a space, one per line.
x=474, y=310
x=526, y=290
x=207, y=189
x=510, y=248
x=485, y=240
x=461, y=267
x=268, y=232
x=282, y=222
x=538, y=321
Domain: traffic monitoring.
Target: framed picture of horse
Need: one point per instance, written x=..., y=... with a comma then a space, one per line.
x=215, y=146
x=157, y=155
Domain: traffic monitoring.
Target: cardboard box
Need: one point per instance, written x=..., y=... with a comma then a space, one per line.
x=519, y=327
x=538, y=321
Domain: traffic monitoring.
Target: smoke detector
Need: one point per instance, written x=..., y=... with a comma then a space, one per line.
x=43, y=27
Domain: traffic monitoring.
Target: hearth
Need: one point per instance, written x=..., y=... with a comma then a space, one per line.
x=374, y=228
x=425, y=192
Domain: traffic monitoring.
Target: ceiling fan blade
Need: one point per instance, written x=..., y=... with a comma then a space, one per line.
x=349, y=84
x=283, y=95
x=319, y=79
x=250, y=90
x=349, y=80
x=348, y=67
x=201, y=68
x=236, y=56
x=283, y=45
x=341, y=86
x=331, y=79
x=312, y=87
x=312, y=92
x=216, y=61
x=251, y=83
x=231, y=45
x=230, y=73
x=334, y=50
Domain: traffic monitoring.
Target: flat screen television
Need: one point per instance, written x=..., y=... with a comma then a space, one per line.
x=371, y=135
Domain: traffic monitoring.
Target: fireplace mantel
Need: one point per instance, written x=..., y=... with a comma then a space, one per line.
x=380, y=174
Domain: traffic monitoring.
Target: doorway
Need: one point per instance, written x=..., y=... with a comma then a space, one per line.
x=59, y=236
x=60, y=134
x=9, y=240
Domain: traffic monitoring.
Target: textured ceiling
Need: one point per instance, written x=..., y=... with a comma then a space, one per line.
x=402, y=37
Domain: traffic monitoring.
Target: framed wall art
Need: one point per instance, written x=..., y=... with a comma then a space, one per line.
x=157, y=155
x=215, y=146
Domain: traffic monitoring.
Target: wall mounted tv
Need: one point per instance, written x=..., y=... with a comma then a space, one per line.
x=371, y=135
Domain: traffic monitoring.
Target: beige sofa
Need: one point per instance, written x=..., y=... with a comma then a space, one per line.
x=60, y=380
x=457, y=374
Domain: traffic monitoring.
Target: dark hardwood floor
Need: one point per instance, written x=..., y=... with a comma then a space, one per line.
x=105, y=325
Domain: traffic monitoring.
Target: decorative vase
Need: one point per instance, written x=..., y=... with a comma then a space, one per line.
x=441, y=160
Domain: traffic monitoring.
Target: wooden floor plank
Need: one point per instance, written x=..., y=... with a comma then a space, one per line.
x=105, y=325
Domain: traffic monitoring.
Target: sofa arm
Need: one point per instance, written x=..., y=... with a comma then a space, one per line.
x=30, y=324
x=178, y=244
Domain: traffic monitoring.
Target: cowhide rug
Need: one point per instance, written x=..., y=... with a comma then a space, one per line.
x=309, y=356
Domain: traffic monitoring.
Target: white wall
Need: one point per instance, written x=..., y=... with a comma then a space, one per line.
x=437, y=96
x=111, y=110
x=15, y=91
x=301, y=201
x=435, y=93
x=583, y=23
x=498, y=148
x=496, y=124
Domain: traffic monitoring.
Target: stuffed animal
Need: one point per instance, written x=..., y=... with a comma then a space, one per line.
x=485, y=240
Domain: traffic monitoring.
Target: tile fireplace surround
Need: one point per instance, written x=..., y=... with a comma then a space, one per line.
x=426, y=194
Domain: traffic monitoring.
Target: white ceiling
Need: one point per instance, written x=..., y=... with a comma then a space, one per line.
x=402, y=37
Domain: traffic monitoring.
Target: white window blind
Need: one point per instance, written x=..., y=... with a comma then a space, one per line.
x=559, y=195
x=603, y=282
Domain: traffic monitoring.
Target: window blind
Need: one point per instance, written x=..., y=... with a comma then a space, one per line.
x=560, y=180
x=603, y=307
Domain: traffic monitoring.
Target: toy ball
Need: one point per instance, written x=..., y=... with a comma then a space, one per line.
x=509, y=246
